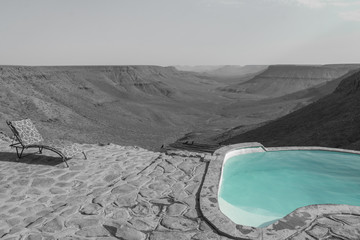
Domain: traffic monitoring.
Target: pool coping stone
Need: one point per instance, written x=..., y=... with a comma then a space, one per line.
x=291, y=225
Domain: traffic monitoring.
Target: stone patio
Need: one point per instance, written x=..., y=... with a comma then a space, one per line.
x=125, y=193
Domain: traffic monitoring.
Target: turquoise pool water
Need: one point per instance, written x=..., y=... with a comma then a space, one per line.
x=259, y=188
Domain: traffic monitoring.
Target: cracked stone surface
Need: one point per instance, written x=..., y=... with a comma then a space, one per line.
x=120, y=193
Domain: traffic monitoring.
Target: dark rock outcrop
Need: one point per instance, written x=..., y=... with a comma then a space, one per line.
x=332, y=121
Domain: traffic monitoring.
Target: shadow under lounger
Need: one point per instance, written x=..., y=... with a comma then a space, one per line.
x=27, y=136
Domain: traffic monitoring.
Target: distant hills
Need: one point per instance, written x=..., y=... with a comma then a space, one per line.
x=278, y=80
x=198, y=69
x=233, y=71
x=225, y=71
x=149, y=106
x=332, y=121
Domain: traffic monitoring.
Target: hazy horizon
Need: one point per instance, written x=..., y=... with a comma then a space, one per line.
x=171, y=33
x=181, y=65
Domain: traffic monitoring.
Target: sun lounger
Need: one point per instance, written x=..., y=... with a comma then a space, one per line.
x=27, y=136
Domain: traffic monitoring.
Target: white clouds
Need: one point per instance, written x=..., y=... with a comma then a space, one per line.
x=312, y=3
x=306, y=3
x=342, y=5
x=324, y=3
x=351, y=15
x=348, y=10
x=344, y=8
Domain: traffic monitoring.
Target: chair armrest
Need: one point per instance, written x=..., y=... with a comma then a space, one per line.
x=16, y=145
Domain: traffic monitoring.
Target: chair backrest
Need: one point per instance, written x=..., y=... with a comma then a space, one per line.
x=25, y=132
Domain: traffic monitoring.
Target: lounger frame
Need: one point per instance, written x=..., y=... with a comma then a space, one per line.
x=20, y=147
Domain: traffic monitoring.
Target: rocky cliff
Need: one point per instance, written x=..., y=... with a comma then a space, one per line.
x=332, y=121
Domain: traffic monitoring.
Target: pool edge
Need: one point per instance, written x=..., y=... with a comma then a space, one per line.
x=292, y=224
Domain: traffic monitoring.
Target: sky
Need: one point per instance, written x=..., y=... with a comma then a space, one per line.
x=179, y=32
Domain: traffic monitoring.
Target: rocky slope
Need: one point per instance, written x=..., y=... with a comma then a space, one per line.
x=122, y=104
x=332, y=121
x=147, y=106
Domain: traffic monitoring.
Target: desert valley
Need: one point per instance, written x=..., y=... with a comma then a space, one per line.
x=152, y=106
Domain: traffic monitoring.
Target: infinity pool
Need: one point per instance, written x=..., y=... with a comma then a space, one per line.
x=259, y=188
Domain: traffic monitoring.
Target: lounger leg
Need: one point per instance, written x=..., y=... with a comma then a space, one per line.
x=84, y=155
x=19, y=154
x=66, y=164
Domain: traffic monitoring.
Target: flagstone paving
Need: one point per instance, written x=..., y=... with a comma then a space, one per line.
x=118, y=193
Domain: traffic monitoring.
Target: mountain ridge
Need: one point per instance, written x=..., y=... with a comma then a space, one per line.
x=332, y=121
x=280, y=80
